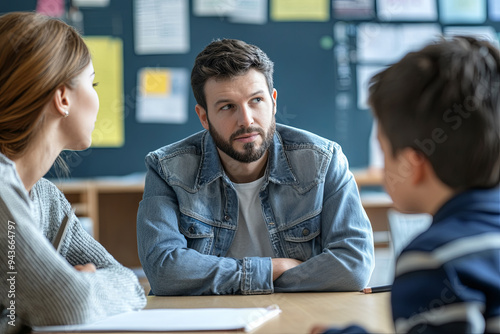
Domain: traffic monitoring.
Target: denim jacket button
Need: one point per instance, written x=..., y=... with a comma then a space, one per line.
x=191, y=229
x=226, y=217
x=305, y=232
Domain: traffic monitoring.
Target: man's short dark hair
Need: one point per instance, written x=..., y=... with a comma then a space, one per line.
x=225, y=59
x=444, y=101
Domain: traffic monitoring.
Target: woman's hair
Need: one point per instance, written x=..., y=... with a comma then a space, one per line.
x=38, y=54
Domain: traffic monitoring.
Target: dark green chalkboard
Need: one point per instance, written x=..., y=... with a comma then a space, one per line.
x=305, y=77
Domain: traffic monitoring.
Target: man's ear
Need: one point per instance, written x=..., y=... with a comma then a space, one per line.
x=275, y=98
x=202, y=115
x=61, y=100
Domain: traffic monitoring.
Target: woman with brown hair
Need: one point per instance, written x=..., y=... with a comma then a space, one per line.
x=48, y=104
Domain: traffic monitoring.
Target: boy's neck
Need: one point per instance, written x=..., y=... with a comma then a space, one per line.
x=435, y=196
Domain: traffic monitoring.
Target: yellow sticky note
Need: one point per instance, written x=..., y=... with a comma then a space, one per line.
x=107, y=58
x=300, y=10
x=156, y=82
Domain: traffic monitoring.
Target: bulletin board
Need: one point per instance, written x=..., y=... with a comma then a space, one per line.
x=324, y=53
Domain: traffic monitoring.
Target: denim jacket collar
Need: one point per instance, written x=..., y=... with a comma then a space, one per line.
x=278, y=169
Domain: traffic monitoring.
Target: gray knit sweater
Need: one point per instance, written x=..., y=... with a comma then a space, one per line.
x=40, y=287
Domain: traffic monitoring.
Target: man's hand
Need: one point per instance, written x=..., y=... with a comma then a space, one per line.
x=281, y=265
x=87, y=268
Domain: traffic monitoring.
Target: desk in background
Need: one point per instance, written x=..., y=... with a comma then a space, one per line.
x=376, y=203
x=112, y=206
x=300, y=311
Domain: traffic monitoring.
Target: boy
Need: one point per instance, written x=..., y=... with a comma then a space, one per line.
x=439, y=121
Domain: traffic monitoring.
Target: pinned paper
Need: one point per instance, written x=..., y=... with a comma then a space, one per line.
x=364, y=74
x=162, y=95
x=161, y=27
x=494, y=10
x=462, y=11
x=487, y=33
x=353, y=9
x=213, y=7
x=54, y=8
x=156, y=82
x=90, y=3
x=107, y=58
x=300, y=10
x=249, y=11
x=387, y=43
x=237, y=11
x=407, y=10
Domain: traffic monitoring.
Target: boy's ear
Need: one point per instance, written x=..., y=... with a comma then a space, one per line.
x=61, y=100
x=202, y=115
x=419, y=166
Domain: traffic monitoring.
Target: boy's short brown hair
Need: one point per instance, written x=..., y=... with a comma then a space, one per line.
x=444, y=101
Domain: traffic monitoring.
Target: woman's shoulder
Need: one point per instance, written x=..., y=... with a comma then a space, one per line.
x=12, y=188
x=49, y=196
x=46, y=186
x=8, y=171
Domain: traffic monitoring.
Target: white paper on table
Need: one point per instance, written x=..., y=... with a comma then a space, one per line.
x=161, y=26
x=177, y=320
x=407, y=10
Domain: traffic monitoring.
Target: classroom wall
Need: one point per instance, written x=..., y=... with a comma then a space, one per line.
x=305, y=77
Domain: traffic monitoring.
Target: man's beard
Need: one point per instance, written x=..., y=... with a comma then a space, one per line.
x=251, y=153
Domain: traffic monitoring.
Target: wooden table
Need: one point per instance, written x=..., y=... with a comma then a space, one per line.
x=300, y=311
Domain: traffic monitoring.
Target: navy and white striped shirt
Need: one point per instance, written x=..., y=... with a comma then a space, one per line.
x=448, y=278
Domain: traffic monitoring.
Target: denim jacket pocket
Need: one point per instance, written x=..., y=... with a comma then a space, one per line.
x=199, y=235
x=302, y=240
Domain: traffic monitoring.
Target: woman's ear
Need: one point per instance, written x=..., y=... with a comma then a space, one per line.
x=202, y=115
x=275, y=98
x=61, y=101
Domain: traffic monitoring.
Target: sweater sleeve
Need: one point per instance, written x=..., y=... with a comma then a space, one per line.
x=43, y=286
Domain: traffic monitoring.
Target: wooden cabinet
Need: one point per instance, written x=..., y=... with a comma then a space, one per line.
x=112, y=206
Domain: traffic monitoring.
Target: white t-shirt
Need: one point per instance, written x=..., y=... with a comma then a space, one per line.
x=252, y=236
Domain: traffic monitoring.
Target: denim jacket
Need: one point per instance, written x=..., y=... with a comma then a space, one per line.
x=188, y=217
